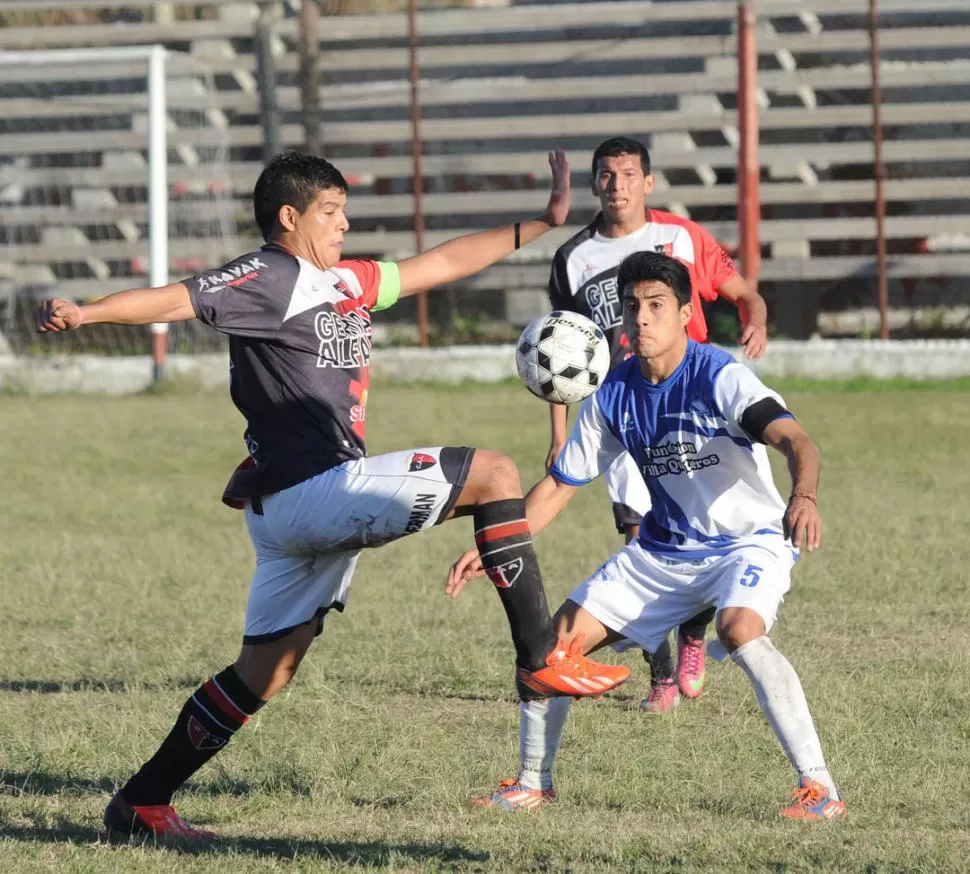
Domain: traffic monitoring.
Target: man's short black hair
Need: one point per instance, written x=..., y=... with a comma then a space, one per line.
x=654, y=267
x=616, y=146
x=292, y=179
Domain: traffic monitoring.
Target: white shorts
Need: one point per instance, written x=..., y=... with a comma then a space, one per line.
x=643, y=595
x=308, y=537
x=627, y=491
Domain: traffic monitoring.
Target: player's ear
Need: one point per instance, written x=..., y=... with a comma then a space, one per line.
x=287, y=216
x=686, y=311
x=648, y=184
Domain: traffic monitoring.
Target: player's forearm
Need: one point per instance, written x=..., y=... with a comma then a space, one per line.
x=804, y=464
x=141, y=306
x=558, y=417
x=752, y=309
x=546, y=500
x=466, y=255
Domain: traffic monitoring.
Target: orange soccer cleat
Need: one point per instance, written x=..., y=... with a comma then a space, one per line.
x=568, y=673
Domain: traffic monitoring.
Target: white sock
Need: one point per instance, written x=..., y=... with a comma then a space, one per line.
x=780, y=695
x=540, y=729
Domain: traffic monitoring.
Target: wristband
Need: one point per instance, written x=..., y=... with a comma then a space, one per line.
x=802, y=495
x=517, y=228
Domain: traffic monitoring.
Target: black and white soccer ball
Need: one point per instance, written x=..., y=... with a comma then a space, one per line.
x=562, y=357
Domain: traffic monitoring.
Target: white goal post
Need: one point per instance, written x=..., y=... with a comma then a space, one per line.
x=104, y=111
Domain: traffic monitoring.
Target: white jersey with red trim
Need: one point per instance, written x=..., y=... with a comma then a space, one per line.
x=584, y=270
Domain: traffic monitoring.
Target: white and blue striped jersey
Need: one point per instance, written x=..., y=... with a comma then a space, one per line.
x=710, y=482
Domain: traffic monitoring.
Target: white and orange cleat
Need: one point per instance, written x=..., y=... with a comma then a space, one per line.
x=813, y=801
x=512, y=795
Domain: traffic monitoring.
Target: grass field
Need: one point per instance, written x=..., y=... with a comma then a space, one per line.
x=123, y=584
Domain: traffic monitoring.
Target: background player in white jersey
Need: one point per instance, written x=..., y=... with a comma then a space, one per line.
x=299, y=326
x=583, y=280
x=717, y=534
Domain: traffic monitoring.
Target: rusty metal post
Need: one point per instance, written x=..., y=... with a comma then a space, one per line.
x=749, y=165
x=417, y=167
x=879, y=170
x=309, y=76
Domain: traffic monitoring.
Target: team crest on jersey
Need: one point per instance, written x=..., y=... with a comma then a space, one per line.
x=664, y=249
x=202, y=739
x=505, y=575
x=420, y=461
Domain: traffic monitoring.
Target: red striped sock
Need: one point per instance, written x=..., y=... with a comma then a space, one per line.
x=212, y=715
x=505, y=546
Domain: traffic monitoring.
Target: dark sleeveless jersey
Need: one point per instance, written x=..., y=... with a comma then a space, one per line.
x=299, y=350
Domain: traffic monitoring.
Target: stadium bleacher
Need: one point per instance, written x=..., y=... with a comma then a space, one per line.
x=499, y=85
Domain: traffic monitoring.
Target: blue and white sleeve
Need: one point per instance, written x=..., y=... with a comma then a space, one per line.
x=746, y=402
x=591, y=449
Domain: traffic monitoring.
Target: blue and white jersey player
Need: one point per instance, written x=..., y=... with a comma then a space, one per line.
x=718, y=533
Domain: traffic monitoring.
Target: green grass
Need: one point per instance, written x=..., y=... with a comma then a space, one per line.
x=123, y=583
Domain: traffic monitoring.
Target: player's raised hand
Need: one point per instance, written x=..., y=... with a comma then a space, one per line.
x=754, y=341
x=463, y=571
x=803, y=523
x=58, y=315
x=560, y=198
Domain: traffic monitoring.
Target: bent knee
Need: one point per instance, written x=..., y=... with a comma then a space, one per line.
x=493, y=476
x=737, y=626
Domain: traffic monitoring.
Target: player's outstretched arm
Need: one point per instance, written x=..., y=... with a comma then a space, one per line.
x=467, y=255
x=753, y=314
x=558, y=417
x=802, y=521
x=136, y=306
x=546, y=500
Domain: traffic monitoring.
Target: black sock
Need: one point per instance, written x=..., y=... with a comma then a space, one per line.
x=214, y=713
x=661, y=664
x=505, y=545
x=696, y=626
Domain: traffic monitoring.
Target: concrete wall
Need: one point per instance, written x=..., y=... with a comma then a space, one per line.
x=814, y=359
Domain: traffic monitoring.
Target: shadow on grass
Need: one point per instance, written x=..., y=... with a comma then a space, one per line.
x=418, y=689
x=111, y=685
x=364, y=854
x=44, y=783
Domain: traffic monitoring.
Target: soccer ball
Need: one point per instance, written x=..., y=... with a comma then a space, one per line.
x=562, y=357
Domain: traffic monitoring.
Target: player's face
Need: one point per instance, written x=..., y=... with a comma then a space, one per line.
x=653, y=319
x=622, y=187
x=321, y=227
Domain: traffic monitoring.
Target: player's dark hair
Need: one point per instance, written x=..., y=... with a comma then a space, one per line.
x=291, y=179
x=654, y=267
x=616, y=146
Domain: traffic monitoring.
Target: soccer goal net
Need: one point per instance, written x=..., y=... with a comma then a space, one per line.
x=113, y=174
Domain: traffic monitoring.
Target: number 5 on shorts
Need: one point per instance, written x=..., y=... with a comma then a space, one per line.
x=751, y=576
